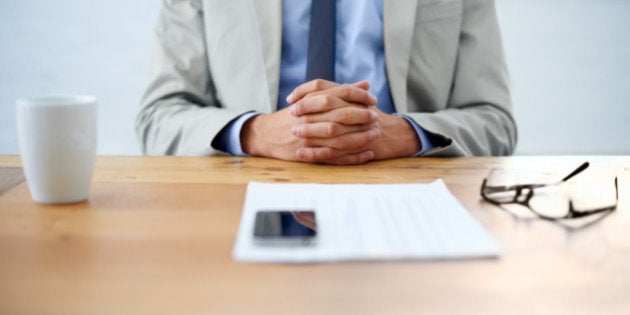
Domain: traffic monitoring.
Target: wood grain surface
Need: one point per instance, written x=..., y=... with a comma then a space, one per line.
x=156, y=235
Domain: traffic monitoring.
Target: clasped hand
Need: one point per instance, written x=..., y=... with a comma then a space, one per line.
x=329, y=123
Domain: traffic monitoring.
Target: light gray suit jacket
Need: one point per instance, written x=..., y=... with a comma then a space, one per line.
x=217, y=59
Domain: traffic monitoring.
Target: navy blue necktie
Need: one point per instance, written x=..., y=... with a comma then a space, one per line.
x=321, y=41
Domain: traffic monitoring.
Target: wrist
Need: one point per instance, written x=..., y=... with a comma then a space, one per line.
x=248, y=136
x=399, y=138
x=412, y=142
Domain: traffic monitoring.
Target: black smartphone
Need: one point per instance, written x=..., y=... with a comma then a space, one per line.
x=285, y=227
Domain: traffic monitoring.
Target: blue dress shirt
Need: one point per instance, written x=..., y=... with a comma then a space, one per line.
x=359, y=55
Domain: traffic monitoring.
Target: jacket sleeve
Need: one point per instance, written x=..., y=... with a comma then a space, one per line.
x=477, y=120
x=180, y=113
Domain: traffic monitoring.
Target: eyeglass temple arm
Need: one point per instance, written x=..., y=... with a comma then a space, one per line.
x=576, y=171
x=577, y=214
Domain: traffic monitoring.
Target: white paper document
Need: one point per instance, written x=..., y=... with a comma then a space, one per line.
x=367, y=222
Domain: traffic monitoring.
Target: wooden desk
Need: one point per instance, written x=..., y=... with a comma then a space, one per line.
x=157, y=233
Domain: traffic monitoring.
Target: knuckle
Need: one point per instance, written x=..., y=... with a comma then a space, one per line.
x=346, y=91
x=298, y=90
x=305, y=131
x=297, y=107
x=344, y=115
x=326, y=101
x=368, y=116
x=318, y=84
x=331, y=130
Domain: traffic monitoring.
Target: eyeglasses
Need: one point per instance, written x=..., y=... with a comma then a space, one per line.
x=541, y=199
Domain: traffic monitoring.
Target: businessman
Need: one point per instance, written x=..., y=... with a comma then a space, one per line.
x=325, y=81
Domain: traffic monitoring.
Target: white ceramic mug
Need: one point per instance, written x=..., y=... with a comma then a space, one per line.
x=57, y=138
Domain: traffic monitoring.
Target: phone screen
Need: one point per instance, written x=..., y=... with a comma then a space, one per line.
x=282, y=227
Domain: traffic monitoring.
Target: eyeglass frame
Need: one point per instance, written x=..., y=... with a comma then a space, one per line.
x=519, y=189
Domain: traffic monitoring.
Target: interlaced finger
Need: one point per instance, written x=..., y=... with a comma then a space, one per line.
x=346, y=115
x=327, y=129
x=336, y=97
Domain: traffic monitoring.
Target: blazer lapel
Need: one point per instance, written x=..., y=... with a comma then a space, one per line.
x=398, y=28
x=269, y=18
x=244, y=42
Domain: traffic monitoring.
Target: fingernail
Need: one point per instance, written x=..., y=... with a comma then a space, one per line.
x=290, y=98
x=373, y=115
x=297, y=129
x=375, y=133
x=301, y=153
x=292, y=110
x=373, y=99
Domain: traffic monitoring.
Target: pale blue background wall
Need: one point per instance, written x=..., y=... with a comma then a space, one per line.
x=99, y=47
x=569, y=62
